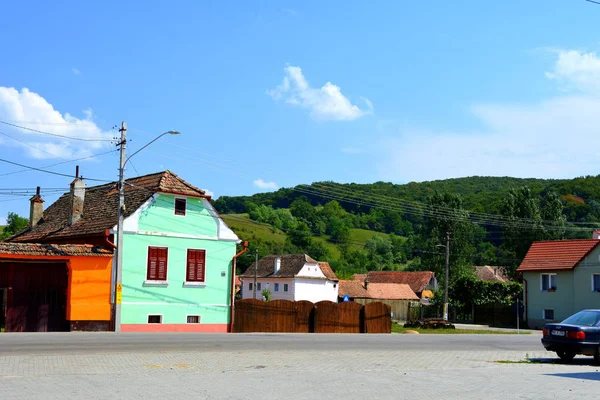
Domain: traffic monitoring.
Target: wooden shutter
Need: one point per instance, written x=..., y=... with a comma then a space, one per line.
x=157, y=263
x=195, y=265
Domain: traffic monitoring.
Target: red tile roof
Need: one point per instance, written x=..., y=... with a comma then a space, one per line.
x=100, y=207
x=378, y=291
x=64, y=250
x=416, y=280
x=328, y=271
x=359, y=277
x=291, y=265
x=489, y=273
x=556, y=255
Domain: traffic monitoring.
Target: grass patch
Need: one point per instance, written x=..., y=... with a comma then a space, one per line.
x=397, y=328
x=527, y=360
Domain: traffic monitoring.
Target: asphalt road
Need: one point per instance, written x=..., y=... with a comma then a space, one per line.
x=95, y=343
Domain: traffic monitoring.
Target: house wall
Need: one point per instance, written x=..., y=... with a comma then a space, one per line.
x=311, y=270
x=88, y=299
x=156, y=224
x=270, y=284
x=315, y=290
x=584, y=297
x=537, y=300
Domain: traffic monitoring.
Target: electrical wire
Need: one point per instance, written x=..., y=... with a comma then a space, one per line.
x=49, y=172
x=56, y=134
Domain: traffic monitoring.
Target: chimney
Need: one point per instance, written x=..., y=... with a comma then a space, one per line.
x=77, y=197
x=277, y=264
x=596, y=234
x=366, y=284
x=36, y=208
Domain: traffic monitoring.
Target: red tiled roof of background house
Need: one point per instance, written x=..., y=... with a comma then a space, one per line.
x=100, y=207
x=391, y=291
x=416, y=280
x=327, y=271
x=291, y=265
x=65, y=250
x=359, y=277
x=556, y=255
x=353, y=288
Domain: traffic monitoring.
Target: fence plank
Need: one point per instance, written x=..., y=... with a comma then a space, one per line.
x=377, y=318
x=305, y=316
x=282, y=316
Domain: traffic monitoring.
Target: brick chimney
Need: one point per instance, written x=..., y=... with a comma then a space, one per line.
x=77, y=197
x=366, y=284
x=277, y=265
x=36, y=208
x=596, y=234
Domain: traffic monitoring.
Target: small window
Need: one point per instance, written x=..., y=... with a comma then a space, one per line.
x=549, y=314
x=250, y=286
x=193, y=319
x=596, y=282
x=277, y=287
x=180, y=205
x=157, y=263
x=285, y=287
x=155, y=319
x=259, y=286
x=334, y=285
x=548, y=282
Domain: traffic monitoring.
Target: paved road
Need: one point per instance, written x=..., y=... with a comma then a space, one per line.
x=90, y=343
x=348, y=367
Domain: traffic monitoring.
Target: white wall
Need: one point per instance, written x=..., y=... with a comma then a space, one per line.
x=315, y=290
x=311, y=270
x=270, y=284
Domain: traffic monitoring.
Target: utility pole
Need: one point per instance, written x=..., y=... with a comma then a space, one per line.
x=255, y=271
x=447, y=276
x=119, y=267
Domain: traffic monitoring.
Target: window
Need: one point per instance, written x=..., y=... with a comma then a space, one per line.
x=596, y=282
x=193, y=319
x=180, y=205
x=155, y=319
x=195, y=265
x=285, y=287
x=277, y=287
x=258, y=286
x=548, y=282
x=549, y=314
x=250, y=286
x=334, y=285
x=157, y=263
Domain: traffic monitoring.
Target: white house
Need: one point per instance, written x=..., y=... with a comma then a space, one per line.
x=290, y=277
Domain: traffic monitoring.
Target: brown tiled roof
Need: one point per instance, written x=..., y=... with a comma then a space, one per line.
x=391, y=291
x=36, y=249
x=416, y=280
x=359, y=277
x=100, y=207
x=327, y=271
x=489, y=273
x=380, y=291
x=291, y=264
x=354, y=289
x=556, y=255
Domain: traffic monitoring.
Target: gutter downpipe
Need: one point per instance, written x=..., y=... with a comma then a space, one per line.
x=233, y=264
x=107, y=241
x=526, y=293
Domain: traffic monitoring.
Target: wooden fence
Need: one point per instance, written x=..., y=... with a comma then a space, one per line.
x=253, y=315
x=398, y=308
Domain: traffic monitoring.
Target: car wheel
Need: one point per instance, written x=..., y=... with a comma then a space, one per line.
x=565, y=356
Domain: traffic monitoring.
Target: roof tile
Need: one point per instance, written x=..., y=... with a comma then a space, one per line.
x=416, y=280
x=36, y=249
x=556, y=255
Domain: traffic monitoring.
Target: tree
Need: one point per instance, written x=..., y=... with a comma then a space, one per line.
x=14, y=224
x=380, y=253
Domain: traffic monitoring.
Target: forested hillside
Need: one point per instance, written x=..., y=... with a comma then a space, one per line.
x=490, y=220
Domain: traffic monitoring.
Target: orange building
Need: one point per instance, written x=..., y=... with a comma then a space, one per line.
x=48, y=287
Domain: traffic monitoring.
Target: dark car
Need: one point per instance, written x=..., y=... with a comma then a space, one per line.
x=578, y=334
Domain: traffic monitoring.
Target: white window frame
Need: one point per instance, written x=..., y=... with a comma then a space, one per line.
x=549, y=283
x=544, y=314
x=154, y=315
x=193, y=315
x=175, y=208
x=595, y=289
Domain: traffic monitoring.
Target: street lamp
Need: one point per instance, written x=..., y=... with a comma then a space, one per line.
x=118, y=273
x=447, y=246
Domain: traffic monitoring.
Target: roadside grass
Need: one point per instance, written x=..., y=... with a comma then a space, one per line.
x=397, y=328
x=528, y=360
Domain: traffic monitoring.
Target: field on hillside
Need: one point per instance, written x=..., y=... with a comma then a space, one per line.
x=248, y=229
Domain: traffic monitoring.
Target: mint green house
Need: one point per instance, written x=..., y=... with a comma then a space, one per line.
x=178, y=257
x=560, y=278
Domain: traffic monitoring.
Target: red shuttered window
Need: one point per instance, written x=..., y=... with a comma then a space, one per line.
x=195, y=265
x=157, y=263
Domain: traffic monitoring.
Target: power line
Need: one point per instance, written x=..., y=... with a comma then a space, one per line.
x=29, y=144
x=58, y=135
x=49, y=172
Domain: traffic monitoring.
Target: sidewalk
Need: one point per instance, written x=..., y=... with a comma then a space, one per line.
x=490, y=328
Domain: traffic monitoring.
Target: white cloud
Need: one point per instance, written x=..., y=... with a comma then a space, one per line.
x=76, y=71
x=326, y=103
x=577, y=70
x=209, y=192
x=261, y=184
x=548, y=139
x=29, y=109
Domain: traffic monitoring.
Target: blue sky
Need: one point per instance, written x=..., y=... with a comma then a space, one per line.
x=276, y=93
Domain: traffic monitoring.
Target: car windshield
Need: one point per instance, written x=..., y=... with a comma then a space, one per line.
x=585, y=318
